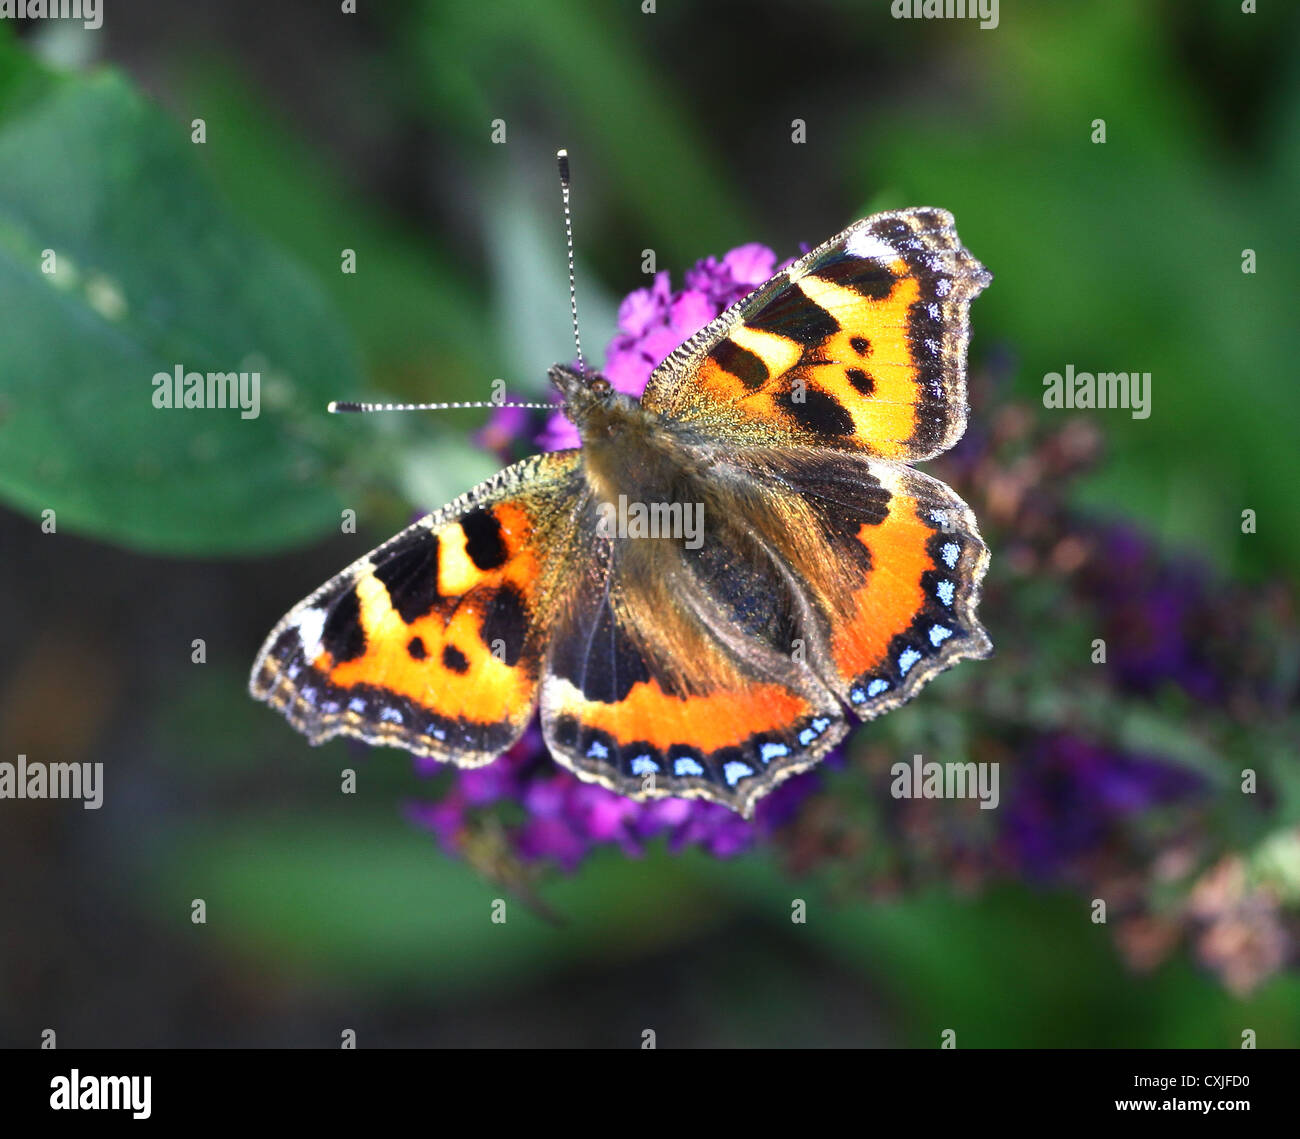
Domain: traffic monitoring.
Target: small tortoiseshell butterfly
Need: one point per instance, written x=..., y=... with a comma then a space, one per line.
x=832, y=579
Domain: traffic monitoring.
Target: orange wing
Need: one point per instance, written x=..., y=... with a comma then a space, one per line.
x=890, y=559
x=433, y=641
x=859, y=345
x=670, y=674
x=913, y=613
x=835, y=580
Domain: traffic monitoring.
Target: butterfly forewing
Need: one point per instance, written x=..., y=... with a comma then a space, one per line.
x=860, y=344
x=434, y=640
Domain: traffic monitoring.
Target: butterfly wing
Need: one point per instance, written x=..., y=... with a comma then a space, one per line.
x=823, y=580
x=670, y=673
x=434, y=641
x=858, y=345
x=890, y=559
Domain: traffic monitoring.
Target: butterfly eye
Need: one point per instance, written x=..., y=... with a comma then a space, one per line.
x=599, y=386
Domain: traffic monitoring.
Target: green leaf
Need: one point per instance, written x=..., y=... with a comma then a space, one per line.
x=151, y=272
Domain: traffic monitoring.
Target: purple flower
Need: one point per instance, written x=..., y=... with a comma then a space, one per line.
x=1158, y=616
x=655, y=320
x=567, y=818
x=1070, y=796
x=445, y=820
x=739, y=272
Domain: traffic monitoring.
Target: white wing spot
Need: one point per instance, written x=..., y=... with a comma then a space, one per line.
x=735, y=771
x=311, y=626
x=865, y=244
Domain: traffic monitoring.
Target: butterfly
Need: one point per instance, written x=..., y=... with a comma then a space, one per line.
x=825, y=580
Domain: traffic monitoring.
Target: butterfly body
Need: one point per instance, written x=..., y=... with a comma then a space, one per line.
x=729, y=570
x=627, y=449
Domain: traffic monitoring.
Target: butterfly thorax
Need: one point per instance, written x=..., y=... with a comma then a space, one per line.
x=629, y=451
x=632, y=452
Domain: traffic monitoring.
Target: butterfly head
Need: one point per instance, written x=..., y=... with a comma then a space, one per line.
x=589, y=398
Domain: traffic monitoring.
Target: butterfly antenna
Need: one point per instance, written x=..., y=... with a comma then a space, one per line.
x=562, y=157
x=339, y=406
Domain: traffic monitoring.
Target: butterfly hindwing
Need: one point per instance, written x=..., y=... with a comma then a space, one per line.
x=860, y=344
x=890, y=558
x=915, y=615
x=434, y=640
x=654, y=688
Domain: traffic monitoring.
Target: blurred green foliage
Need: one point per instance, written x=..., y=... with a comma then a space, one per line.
x=119, y=263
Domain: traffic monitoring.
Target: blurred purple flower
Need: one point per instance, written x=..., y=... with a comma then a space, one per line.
x=504, y=430
x=1070, y=795
x=1158, y=613
x=566, y=818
